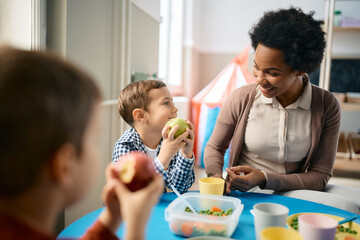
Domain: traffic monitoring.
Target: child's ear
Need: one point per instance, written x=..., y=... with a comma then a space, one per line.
x=63, y=166
x=139, y=115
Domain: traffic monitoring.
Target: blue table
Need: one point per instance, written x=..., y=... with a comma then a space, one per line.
x=158, y=228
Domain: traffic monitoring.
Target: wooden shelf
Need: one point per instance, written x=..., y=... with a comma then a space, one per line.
x=350, y=56
x=348, y=103
x=346, y=163
x=347, y=168
x=354, y=143
x=343, y=152
x=346, y=29
x=346, y=106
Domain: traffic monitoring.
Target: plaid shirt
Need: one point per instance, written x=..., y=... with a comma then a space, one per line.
x=180, y=172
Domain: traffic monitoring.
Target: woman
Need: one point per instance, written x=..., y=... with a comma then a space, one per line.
x=283, y=130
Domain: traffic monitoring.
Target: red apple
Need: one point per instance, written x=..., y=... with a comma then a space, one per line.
x=181, y=123
x=136, y=170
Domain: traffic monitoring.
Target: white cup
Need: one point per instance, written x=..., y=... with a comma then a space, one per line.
x=269, y=215
x=317, y=227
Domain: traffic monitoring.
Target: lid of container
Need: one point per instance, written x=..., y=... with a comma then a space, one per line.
x=210, y=238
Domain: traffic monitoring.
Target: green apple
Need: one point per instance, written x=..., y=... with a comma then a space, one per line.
x=179, y=122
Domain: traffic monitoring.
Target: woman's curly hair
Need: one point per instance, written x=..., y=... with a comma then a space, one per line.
x=297, y=35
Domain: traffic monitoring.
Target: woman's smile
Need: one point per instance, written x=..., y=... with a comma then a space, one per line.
x=267, y=89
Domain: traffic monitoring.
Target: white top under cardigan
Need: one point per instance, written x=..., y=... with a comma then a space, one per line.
x=275, y=135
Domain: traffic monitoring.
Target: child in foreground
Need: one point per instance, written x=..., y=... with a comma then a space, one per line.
x=146, y=106
x=50, y=152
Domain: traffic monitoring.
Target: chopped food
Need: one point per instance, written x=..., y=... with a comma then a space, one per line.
x=295, y=223
x=186, y=229
x=341, y=228
x=349, y=238
x=214, y=211
x=193, y=229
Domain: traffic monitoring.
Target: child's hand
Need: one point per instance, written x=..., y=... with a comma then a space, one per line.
x=133, y=207
x=111, y=216
x=170, y=145
x=187, y=149
x=136, y=206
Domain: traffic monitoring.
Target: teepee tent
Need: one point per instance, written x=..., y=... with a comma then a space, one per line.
x=206, y=104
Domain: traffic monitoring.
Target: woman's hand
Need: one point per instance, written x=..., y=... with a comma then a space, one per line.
x=244, y=178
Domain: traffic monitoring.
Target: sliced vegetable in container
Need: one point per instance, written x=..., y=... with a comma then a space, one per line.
x=214, y=211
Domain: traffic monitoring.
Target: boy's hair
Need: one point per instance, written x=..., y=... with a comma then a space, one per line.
x=44, y=103
x=136, y=95
x=297, y=35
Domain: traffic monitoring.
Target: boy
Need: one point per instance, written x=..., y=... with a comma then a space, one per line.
x=146, y=106
x=49, y=151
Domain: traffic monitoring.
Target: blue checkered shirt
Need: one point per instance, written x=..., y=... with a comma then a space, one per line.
x=180, y=172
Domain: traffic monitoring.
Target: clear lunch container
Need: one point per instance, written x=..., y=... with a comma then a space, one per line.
x=190, y=225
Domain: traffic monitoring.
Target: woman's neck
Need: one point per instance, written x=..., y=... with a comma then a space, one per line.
x=290, y=97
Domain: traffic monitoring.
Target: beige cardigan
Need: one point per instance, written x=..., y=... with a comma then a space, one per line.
x=317, y=167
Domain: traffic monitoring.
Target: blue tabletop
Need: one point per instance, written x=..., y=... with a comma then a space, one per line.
x=158, y=228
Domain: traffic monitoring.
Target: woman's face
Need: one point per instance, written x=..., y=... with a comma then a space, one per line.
x=274, y=76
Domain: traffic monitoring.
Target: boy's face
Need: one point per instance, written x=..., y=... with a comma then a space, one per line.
x=89, y=161
x=161, y=108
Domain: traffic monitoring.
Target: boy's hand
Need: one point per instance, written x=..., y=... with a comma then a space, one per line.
x=170, y=145
x=136, y=206
x=133, y=207
x=110, y=217
x=187, y=149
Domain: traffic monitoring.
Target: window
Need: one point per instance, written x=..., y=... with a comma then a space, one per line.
x=170, y=43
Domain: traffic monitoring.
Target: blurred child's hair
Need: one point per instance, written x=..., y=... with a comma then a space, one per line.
x=136, y=95
x=44, y=104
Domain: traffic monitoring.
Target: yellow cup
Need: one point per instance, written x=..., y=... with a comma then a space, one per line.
x=279, y=233
x=212, y=185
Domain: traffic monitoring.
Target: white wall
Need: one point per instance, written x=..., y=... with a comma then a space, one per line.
x=222, y=25
x=15, y=23
x=89, y=39
x=95, y=33
x=150, y=7
x=144, y=41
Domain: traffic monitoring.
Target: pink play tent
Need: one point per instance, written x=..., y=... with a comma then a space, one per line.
x=206, y=104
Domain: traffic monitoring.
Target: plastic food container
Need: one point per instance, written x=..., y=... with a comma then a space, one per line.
x=190, y=225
